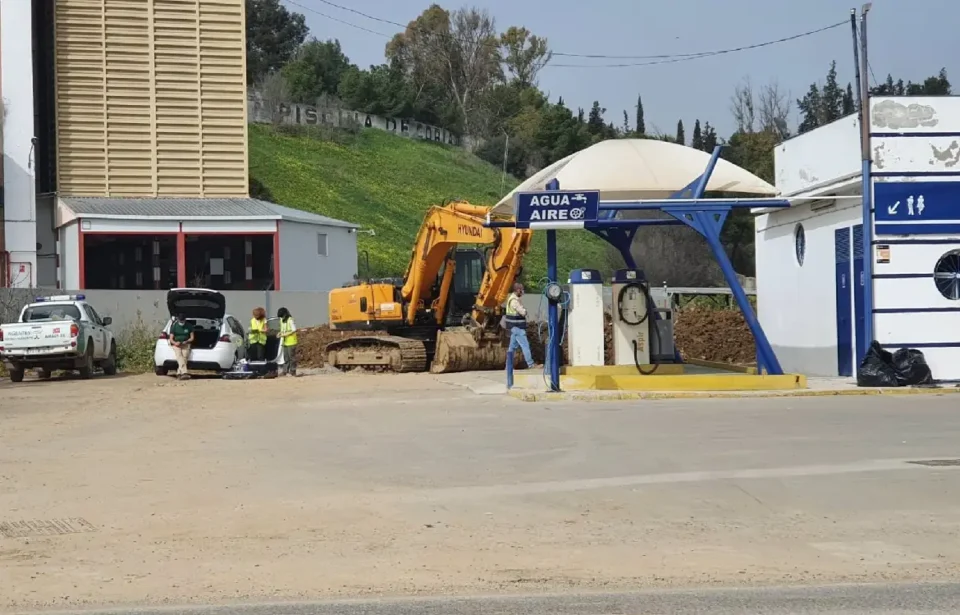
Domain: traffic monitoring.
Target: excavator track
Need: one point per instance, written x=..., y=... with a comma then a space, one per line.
x=382, y=353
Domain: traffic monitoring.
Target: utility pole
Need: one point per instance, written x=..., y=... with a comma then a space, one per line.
x=867, y=186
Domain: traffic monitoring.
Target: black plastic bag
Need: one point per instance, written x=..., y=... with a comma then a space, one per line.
x=911, y=367
x=877, y=369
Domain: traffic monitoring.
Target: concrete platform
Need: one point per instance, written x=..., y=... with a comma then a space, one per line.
x=534, y=385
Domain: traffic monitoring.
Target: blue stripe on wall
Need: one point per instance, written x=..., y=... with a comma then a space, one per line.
x=915, y=310
x=900, y=276
x=915, y=174
x=918, y=229
x=923, y=345
x=918, y=241
x=913, y=135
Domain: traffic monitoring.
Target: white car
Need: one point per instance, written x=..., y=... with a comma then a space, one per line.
x=219, y=339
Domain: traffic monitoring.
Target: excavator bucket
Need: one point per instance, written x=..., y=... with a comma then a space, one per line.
x=461, y=350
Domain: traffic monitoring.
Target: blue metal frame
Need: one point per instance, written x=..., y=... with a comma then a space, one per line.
x=706, y=216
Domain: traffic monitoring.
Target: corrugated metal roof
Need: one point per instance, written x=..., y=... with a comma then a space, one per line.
x=99, y=207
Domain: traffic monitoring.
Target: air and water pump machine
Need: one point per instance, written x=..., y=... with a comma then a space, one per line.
x=585, y=318
x=640, y=337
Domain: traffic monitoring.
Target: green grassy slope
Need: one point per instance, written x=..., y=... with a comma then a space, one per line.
x=385, y=182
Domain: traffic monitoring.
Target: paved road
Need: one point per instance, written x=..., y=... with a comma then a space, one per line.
x=153, y=491
x=899, y=599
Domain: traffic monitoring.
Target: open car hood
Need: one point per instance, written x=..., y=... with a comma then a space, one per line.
x=196, y=303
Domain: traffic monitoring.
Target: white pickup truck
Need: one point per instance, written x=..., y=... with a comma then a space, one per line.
x=58, y=333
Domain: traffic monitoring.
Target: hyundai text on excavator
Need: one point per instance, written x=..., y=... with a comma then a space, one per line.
x=444, y=315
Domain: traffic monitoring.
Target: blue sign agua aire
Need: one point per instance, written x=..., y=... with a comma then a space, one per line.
x=562, y=208
x=916, y=201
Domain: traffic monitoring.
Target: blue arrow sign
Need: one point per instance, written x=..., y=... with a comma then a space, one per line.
x=916, y=201
x=557, y=209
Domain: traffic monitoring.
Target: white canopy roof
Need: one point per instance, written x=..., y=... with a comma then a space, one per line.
x=634, y=169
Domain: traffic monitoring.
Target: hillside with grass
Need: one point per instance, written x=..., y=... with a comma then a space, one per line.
x=386, y=183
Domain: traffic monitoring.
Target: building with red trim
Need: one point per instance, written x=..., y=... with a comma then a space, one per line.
x=125, y=155
x=225, y=244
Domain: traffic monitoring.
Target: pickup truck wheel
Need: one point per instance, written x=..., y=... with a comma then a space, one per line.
x=44, y=373
x=160, y=371
x=86, y=370
x=16, y=375
x=110, y=363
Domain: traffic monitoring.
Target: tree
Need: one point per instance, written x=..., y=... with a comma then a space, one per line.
x=849, y=102
x=937, y=85
x=595, y=124
x=274, y=92
x=316, y=70
x=681, y=137
x=697, y=142
x=774, y=110
x=273, y=35
x=768, y=111
x=640, y=125
x=626, y=123
x=524, y=55
x=709, y=137
x=458, y=51
x=822, y=105
x=741, y=106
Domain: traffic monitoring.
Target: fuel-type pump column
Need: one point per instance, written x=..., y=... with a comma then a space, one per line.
x=585, y=318
x=631, y=318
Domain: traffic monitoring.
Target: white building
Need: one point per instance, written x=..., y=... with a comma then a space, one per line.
x=814, y=296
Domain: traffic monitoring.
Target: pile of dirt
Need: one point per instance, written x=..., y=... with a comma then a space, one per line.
x=312, y=342
x=701, y=333
x=714, y=335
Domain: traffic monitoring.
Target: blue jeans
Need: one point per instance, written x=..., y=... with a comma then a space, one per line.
x=518, y=337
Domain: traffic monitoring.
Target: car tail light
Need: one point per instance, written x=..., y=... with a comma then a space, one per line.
x=163, y=335
x=1, y=335
x=74, y=330
x=225, y=338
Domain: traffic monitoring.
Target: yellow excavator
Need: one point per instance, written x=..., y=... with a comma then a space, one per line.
x=444, y=314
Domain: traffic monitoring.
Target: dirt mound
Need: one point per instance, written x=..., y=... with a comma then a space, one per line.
x=714, y=335
x=701, y=333
x=312, y=342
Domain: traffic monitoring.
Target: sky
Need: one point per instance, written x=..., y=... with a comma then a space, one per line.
x=911, y=39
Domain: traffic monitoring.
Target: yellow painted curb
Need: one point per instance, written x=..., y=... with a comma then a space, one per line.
x=686, y=382
x=730, y=367
x=665, y=369
x=654, y=395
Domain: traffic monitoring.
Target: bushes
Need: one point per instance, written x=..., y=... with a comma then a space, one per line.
x=135, y=346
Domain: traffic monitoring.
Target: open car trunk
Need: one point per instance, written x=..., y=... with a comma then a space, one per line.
x=197, y=303
x=206, y=333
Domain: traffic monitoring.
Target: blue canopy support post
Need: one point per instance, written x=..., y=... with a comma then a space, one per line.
x=709, y=223
x=553, y=319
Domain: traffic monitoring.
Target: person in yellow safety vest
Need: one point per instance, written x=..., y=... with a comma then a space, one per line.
x=515, y=322
x=257, y=335
x=288, y=341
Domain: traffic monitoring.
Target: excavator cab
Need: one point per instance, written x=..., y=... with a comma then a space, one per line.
x=467, y=277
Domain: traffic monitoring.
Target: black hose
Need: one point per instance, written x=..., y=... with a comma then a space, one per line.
x=650, y=306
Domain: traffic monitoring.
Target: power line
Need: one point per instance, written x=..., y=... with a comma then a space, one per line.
x=657, y=59
x=332, y=18
x=683, y=57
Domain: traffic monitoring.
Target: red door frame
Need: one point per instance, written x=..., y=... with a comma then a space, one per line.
x=181, y=249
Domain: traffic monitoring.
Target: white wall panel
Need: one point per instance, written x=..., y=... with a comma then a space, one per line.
x=229, y=226
x=97, y=225
x=914, y=114
x=914, y=154
x=797, y=304
x=819, y=157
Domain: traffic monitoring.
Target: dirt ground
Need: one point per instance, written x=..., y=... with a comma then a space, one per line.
x=146, y=490
x=704, y=333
